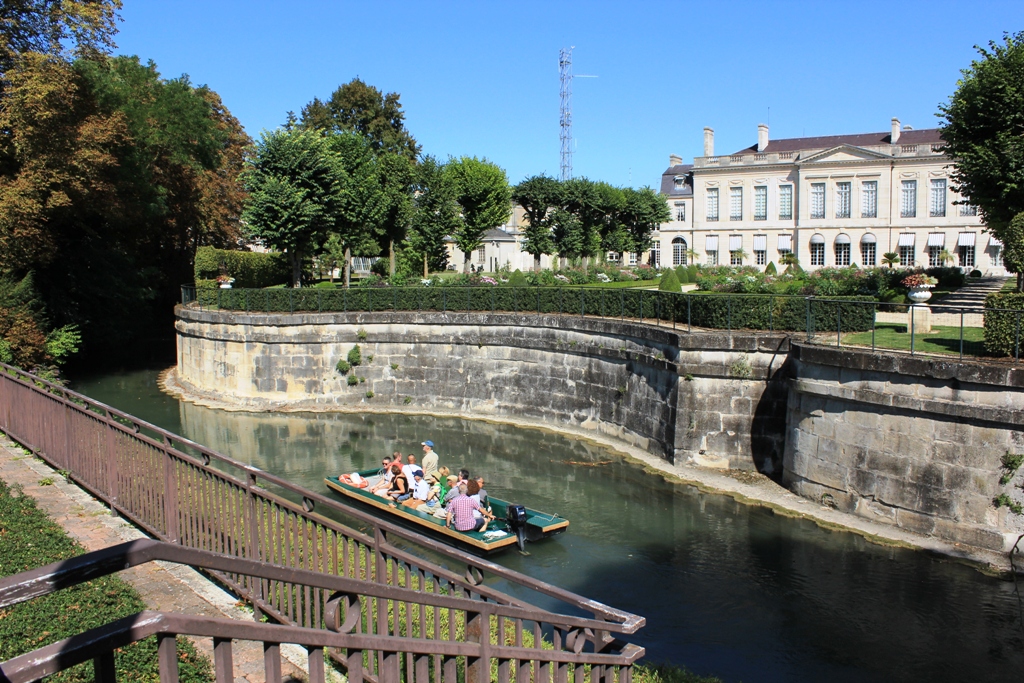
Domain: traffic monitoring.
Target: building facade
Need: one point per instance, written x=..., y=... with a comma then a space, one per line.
x=830, y=201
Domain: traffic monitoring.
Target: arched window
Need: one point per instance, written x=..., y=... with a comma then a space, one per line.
x=678, y=252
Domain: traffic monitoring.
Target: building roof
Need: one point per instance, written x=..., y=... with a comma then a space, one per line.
x=907, y=137
x=498, y=235
x=668, y=181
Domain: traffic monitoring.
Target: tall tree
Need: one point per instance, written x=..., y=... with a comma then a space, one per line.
x=356, y=106
x=484, y=197
x=56, y=28
x=436, y=214
x=594, y=204
x=983, y=128
x=396, y=174
x=297, y=189
x=643, y=212
x=538, y=196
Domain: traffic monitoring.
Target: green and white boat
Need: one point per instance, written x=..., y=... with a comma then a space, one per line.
x=524, y=524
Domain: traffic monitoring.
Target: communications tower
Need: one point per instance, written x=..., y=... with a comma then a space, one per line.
x=565, y=127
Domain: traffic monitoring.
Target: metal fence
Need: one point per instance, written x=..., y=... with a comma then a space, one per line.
x=842, y=321
x=429, y=651
x=184, y=493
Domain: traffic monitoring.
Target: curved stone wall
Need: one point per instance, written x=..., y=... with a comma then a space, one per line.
x=715, y=398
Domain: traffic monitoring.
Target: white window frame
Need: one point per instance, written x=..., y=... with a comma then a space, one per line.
x=656, y=254
x=967, y=256
x=681, y=213
x=817, y=254
x=934, y=260
x=785, y=202
x=908, y=255
x=869, y=253
x=735, y=203
x=968, y=210
x=842, y=254
x=761, y=257
x=908, y=199
x=679, y=249
x=817, y=201
x=760, y=202
x=844, y=199
x=711, y=204
x=869, y=199
x=937, y=198
x=712, y=257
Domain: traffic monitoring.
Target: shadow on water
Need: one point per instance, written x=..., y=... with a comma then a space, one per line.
x=727, y=589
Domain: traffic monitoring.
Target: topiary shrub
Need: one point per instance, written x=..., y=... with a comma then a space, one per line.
x=669, y=282
x=249, y=269
x=517, y=279
x=355, y=356
x=683, y=274
x=771, y=269
x=1001, y=334
x=975, y=273
x=692, y=272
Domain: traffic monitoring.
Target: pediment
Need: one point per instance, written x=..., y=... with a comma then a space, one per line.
x=842, y=153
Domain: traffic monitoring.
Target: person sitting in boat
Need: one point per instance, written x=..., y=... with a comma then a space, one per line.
x=420, y=491
x=482, y=494
x=460, y=513
x=473, y=491
x=408, y=470
x=429, y=458
x=399, y=486
x=449, y=490
x=383, y=484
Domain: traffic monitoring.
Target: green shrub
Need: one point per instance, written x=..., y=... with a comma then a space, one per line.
x=771, y=269
x=683, y=274
x=248, y=268
x=669, y=282
x=343, y=367
x=517, y=279
x=352, y=380
x=1001, y=333
x=692, y=272
x=31, y=539
x=355, y=356
x=975, y=273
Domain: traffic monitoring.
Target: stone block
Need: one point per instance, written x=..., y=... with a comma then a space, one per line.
x=927, y=474
x=915, y=521
x=826, y=473
x=896, y=492
x=887, y=464
x=937, y=502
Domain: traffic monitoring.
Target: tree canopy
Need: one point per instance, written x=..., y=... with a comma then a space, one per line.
x=538, y=195
x=436, y=214
x=983, y=128
x=484, y=197
x=363, y=109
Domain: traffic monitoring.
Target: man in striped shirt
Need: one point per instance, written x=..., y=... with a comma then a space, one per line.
x=460, y=511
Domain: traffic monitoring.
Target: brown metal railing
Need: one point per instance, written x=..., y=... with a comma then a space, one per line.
x=184, y=493
x=492, y=633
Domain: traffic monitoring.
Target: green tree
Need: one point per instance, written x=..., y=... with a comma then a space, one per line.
x=484, y=197
x=361, y=108
x=297, y=187
x=644, y=211
x=396, y=175
x=595, y=206
x=569, y=234
x=435, y=215
x=538, y=195
x=890, y=259
x=982, y=127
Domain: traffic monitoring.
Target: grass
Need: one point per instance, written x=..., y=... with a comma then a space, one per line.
x=31, y=539
x=942, y=339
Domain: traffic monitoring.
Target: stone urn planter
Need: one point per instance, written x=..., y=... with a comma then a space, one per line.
x=920, y=294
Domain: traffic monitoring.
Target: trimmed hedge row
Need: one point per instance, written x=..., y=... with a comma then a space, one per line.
x=1003, y=335
x=249, y=268
x=715, y=311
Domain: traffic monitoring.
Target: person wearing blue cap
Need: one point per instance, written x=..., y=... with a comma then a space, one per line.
x=429, y=458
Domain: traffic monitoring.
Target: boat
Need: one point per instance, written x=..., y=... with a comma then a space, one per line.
x=517, y=524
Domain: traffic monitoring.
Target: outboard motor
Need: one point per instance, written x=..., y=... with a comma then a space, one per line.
x=515, y=517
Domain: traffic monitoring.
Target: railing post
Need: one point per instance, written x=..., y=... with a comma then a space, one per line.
x=253, y=545
x=111, y=464
x=808, y=320
x=478, y=669
x=961, y=334
x=839, y=325
x=103, y=668
x=730, y=314
x=641, y=307
x=912, y=330
x=167, y=656
x=315, y=664
x=271, y=662
x=170, y=494
x=689, y=310
x=223, y=666
x=1016, y=342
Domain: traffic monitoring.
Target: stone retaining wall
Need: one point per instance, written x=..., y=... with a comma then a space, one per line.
x=909, y=441
x=704, y=397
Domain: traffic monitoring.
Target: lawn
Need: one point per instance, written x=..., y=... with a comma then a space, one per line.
x=942, y=339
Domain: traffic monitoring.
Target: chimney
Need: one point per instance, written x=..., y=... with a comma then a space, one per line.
x=709, y=142
x=894, y=136
x=762, y=136
x=674, y=160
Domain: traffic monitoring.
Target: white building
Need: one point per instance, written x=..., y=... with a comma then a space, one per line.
x=832, y=201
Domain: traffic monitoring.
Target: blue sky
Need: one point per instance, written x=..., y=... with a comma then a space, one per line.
x=481, y=78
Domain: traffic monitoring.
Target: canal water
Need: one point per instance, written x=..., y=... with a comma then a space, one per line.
x=727, y=589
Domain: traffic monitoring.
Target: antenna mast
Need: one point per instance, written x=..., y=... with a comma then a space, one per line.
x=565, y=129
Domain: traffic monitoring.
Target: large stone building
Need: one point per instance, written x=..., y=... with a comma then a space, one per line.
x=832, y=201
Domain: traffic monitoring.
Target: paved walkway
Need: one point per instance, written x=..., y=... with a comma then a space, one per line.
x=163, y=586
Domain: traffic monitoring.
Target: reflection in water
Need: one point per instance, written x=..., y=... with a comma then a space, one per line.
x=726, y=589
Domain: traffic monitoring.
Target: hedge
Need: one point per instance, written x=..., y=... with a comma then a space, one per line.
x=714, y=311
x=1002, y=333
x=30, y=540
x=248, y=268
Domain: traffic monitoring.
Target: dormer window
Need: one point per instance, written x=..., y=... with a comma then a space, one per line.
x=679, y=182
